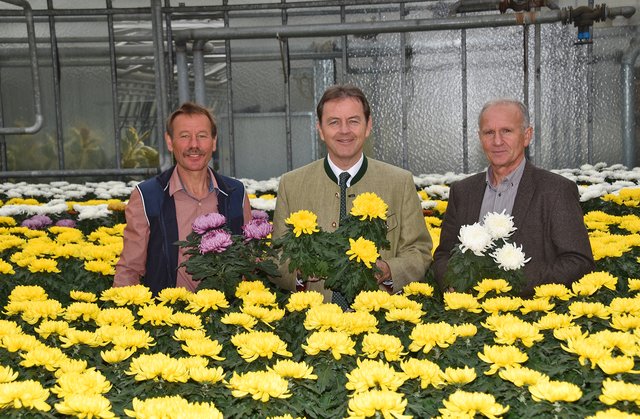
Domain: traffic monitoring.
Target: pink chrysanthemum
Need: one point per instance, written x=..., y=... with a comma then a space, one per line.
x=207, y=222
x=257, y=229
x=215, y=241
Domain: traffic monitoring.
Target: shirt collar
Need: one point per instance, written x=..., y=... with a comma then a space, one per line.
x=353, y=170
x=175, y=183
x=512, y=178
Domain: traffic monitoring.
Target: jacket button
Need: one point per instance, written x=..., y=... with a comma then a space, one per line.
x=337, y=195
x=333, y=224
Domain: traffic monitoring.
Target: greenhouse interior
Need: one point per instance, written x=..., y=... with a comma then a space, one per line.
x=86, y=88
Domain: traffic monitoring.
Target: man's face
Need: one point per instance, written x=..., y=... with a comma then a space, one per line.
x=191, y=143
x=344, y=130
x=502, y=136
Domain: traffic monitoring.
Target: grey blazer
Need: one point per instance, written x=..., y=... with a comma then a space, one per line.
x=549, y=221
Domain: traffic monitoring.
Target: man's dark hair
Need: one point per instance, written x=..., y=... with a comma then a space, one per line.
x=343, y=91
x=190, y=108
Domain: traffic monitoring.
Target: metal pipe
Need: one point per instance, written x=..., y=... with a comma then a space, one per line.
x=81, y=172
x=628, y=101
x=198, y=73
x=537, y=98
x=182, y=69
x=161, y=83
x=465, y=104
x=114, y=87
x=55, y=70
x=35, y=75
x=230, y=113
x=403, y=94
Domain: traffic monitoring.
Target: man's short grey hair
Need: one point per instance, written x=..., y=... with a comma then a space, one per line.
x=524, y=111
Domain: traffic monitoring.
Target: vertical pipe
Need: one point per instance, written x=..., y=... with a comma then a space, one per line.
x=590, y=91
x=227, y=54
x=198, y=72
x=403, y=92
x=537, y=97
x=286, y=69
x=160, y=82
x=525, y=76
x=628, y=102
x=169, y=61
x=183, y=72
x=465, y=104
x=55, y=70
x=345, y=58
x=114, y=87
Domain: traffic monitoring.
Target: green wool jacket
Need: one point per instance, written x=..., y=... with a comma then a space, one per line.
x=314, y=188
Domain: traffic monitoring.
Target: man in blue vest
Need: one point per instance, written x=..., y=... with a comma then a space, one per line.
x=161, y=210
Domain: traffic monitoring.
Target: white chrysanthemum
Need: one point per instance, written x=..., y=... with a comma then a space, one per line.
x=510, y=257
x=474, y=237
x=499, y=225
x=263, y=204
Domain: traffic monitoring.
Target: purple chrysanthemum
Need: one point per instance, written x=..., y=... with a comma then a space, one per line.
x=259, y=215
x=215, y=241
x=207, y=222
x=37, y=222
x=66, y=222
x=257, y=229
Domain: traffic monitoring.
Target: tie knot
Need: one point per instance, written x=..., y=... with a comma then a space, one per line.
x=344, y=176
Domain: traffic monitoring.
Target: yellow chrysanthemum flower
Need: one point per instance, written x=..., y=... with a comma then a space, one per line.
x=245, y=287
x=373, y=301
x=206, y=375
x=459, y=376
x=74, y=337
x=156, y=315
x=625, y=342
x=261, y=385
x=418, y=288
x=363, y=250
x=9, y=241
x=588, y=349
x=252, y=345
x=189, y=320
x=555, y=391
x=81, y=309
x=501, y=304
x=368, y=205
x=203, y=346
x=510, y=332
x=620, y=305
x=570, y=332
x=20, y=342
x=501, y=356
x=85, y=406
x=339, y=343
x=51, y=327
x=43, y=265
x=550, y=291
x=261, y=297
x=466, y=403
x=183, y=334
x=588, y=309
x=388, y=404
x=614, y=391
x=375, y=344
x=634, y=284
x=617, y=365
x=429, y=372
x=625, y=322
x=287, y=368
x=303, y=222
x=613, y=414
x=264, y=314
x=465, y=329
x=324, y=317
x=242, y=319
x=592, y=282
x=133, y=338
x=461, y=301
x=357, y=323
x=404, y=315
x=27, y=394
x=428, y=335
x=129, y=295
x=87, y=297
x=554, y=321
x=69, y=365
x=6, y=268
x=300, y=301
x=491, y=285
x=7, y=221
x=116, y=316
x=522, y=376
x=27, y=293
x=87, y=382
x=117, y=354
x=7, y=375
x=207, y=299
x=538, y=304
x=159, y=365
x=173, y=295
x=100, y=266
x=172, y=406
x=37, y=310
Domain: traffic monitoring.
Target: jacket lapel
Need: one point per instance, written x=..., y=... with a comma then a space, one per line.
x=523, y=196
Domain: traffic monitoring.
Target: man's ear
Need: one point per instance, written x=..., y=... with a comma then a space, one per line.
x=169, y=141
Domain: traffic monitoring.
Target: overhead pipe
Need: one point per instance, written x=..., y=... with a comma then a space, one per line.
x=160, y=82
x=35, y=75
x=198, y=72
x=628, y=102
x=183, y=72
x=468, y=6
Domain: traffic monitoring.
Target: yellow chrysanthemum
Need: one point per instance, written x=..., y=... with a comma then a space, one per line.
x=620, y=305
x=522, y=376
x=20, y=342
x=614, y=391
x=300, y=301
x=83, y=310
x=418, y=288
x=617, y=365
x=465, y=330
x=117, y=354
x=555, y=391
x=203, y=346
x=374, y=375
x=634, y=284
x=550, y=291
x=261, y=385
x=27, y=293
x=592, y=282
x=182, y=319
x=363, y=250
x=625, y=322
x=43, y=265
x=613, y=414
x=129, y=295
x=173, y=295
x=159, y=365
x=264, y=314
x=588, y=309
x=85, y=406
x=491, y=285
x=501, y=304
x=501, y=356
x=588, y=349
x=324, y=317
x=388, y=404
x=368, y=205
x=461, y=301
x=172, y=406
x=87, y=297
x=459, y=376
x=404, y=315
x=252, y=345
x=466, y=403
x=287, y=368
x=538, y=304
x=6, y=268
x=339, y=343
x=373, y=301
x=570, y=332
x=428, y=335
x=87, y=382
x=375, y=344
x=133, y=338
x=207, y=299
x=100, y=266
x=7, y=221
x=245, y=287
x=241, y=319
x=554, y=321
x=118, y=316
x=51, y=327
x=357, y=323
x=206, y=375
x=303, y=222
x=27, y=394
x=7, y=375
x=429, y=372
x=156, y=315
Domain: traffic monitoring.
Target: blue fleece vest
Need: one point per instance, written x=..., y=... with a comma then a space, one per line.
x=160, y=209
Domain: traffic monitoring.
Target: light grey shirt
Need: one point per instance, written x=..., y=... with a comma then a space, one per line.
x=501, y=196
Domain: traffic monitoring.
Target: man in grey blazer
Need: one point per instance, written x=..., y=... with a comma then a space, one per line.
x=545, y=206
x=344, y=123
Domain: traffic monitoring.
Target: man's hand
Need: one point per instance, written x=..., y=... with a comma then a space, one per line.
x=385, y=271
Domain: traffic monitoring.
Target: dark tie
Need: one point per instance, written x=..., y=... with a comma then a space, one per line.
x=338, y=298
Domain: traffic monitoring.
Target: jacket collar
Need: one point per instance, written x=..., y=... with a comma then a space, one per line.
x=356, y=178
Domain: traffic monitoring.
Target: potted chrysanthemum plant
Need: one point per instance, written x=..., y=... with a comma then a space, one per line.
x=484, y=251
x=221, y=260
